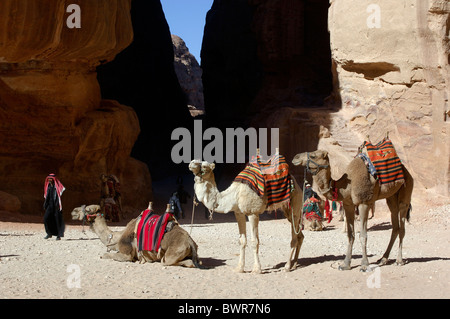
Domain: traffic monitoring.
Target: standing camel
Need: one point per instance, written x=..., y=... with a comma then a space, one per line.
x=357, y=188
x=243, y=201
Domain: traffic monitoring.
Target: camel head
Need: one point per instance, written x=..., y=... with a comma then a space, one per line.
x=207, y=169
x=195, y=166
x=313, y=161
x=88, y=212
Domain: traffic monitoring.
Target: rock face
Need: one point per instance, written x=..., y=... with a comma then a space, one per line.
x=392, y=74
x=189, y=75
x=232, y=73
x=261, y=55
x=52, y=116
x=142, y=76
x=373, y=67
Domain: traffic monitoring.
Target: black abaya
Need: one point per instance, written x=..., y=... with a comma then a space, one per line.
x=53, y=218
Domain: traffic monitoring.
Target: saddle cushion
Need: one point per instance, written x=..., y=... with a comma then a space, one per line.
x=271, y=178
x=150, y=230
x=386, y=161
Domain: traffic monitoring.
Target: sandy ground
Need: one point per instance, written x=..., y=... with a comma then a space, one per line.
x=31, y=267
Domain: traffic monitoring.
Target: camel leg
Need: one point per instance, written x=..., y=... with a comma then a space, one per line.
x=372, y=210
x=240, y=218
x=174, y=255
x=300, y=238
x=404, y=200
x=344, y=227
x=350, y=223
x=294, y=216
x=254, y=221
x=294, y=240
x=363, y=217
x=296, y=244
x=117, y=257
x=401, y=234
x=393, y=207
x=177, y=260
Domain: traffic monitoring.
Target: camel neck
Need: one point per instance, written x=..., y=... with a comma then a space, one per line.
x=102, y=230
x=331, y=189
x=216, y=201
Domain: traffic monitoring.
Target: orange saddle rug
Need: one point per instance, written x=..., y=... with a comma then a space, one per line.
x=386, y=161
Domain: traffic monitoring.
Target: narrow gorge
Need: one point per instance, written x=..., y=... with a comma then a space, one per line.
x=104, y=98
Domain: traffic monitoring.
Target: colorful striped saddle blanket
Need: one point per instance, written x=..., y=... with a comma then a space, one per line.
x=151, y=229
x=384, y=158
x=271, y=178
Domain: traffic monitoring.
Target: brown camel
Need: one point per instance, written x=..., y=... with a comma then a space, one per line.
x=243, y=201
x=357, y=188
x=177, y=247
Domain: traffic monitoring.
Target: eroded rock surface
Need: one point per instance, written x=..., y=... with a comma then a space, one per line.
x=52, y=116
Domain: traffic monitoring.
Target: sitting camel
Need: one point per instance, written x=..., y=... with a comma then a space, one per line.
x=314, y=223
x=177, y=247
x=243, y=201
x=357, y=188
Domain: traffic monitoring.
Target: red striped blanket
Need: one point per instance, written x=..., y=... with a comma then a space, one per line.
x=386, y=161
x=271, y=178
x=150, y=230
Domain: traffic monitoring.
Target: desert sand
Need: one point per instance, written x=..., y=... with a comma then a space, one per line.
x=31, y=267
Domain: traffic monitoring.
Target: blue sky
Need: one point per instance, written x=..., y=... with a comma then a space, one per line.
x=186, y=19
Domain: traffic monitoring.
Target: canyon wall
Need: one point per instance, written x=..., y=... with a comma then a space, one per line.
x=391, y=61
x=52, y=115
x=79, y=101
x=143, y=76
x=329, y=73
x=189, y=76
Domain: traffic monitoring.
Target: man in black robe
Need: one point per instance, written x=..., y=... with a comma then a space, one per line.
x=175, y=206
x=53, y=217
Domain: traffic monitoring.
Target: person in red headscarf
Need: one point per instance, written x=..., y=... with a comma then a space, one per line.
x=53, y=217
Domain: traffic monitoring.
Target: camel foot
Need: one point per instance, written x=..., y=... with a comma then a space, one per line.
x=239, y=270
x=344, y=267
x=365, y=268
x=290, y=267
x=256, y=270
x=383, y=261
x=400, y=263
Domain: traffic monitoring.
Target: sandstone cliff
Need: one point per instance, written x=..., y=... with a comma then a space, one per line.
x=189, y=75
x=143, y=76
x=52, y=116
x=350, y=67
x=392, y=74
x=260, y=55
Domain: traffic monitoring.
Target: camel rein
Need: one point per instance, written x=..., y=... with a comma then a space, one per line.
x=193, y=210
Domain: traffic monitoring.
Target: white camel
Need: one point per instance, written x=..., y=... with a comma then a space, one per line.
x=243, y=201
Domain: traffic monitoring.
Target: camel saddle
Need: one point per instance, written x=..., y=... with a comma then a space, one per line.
x=150, y=230
x=384, y=158
x=269, y=177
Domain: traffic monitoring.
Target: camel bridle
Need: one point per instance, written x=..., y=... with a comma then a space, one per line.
x=87, y=217
x=313, y=171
